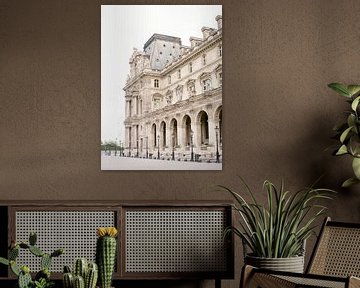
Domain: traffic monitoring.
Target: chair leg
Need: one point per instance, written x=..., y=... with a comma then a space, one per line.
x=246, y=273
x=217, y=283
x=250, y=278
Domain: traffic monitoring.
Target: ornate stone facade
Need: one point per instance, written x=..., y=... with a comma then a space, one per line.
x=173, y=98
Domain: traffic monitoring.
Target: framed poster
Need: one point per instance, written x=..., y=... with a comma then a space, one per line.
x=161, y=87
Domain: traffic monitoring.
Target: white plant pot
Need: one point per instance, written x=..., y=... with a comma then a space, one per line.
x=291, y=264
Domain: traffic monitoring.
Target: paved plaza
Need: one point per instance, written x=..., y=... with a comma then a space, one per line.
x=127, y=163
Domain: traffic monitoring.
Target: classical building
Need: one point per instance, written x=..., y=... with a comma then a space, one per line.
x=173, y=98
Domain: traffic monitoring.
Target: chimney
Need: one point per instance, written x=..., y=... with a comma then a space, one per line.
x=194, y=41
x=206, y=32
x=218, y=19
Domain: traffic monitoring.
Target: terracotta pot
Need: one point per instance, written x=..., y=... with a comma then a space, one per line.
x=291, y=264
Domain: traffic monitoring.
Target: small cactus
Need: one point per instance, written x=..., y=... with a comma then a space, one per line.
x=32, y=238
x=106, y=254
x=79, y=282
x=36, y=251
x=84, y=274
x=44, y=273
x=24, y=278
x=80, y=268
x=14, y=268
x=42, y=278
x=57, y=252
x=68, y=280
x=45, y=261
x=91, y=276
x=13, y=253
x=4, y=261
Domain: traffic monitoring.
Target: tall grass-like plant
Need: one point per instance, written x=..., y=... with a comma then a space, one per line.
x=279, y=229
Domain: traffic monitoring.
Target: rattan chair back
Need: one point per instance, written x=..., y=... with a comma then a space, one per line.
x=337, y=252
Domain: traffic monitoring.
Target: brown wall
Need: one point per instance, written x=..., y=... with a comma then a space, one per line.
x=278, y=113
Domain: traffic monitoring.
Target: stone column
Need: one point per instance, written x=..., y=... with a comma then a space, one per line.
x=169, y=137
x=126, y=108
x=126, y=136
x=136, y=105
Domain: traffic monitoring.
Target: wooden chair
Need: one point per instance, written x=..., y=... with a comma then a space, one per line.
x=334, y=263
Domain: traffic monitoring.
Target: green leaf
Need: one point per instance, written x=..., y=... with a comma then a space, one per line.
x=356, y=167
x=32, y=238
x=4, y=261
x=354, y=145
x=340, y=88
x=345, y=134
x=14, y=268
x=342, y=150
x=351, y=120
x=13, y=253
x=355, y=103
x=353, y=89
x=349, y=182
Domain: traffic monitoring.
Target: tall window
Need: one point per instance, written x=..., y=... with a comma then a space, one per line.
x=190, y=67
x=169, y=79
x=179, y=74
x=220, y=50
x=204, y=59
x=156, y=83
x=206, y=85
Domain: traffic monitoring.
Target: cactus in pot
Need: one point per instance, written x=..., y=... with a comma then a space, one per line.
x=106, y=254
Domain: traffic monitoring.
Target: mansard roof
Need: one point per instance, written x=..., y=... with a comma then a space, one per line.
x=157, y=36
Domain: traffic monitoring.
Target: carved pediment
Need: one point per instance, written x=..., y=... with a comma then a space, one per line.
x=218, y=68
x=205, y=75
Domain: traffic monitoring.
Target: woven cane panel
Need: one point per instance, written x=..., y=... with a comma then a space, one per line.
x=74, y=231
x=338, y=253
x=175, y=241
x=308, y=282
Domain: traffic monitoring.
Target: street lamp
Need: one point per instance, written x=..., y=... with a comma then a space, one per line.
x=173, y=146
x=192, y=145
x=217, y=143
x=137, y=147
x=158, y=146
x=120, y=148
x=115, y=146
x=129, y=148
x=141, y=146
x=147, y=154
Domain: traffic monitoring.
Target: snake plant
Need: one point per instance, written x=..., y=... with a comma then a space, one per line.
x=279, y=228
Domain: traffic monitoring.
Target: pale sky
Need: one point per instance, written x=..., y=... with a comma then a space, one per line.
x=124, y=27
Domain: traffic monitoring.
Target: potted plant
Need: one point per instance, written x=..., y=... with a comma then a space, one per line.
x=42, y=278
x=275, y=233
x=348, y=132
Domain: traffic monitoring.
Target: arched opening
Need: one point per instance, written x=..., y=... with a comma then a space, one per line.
x=174, y=132
x=204, y=128
x=220, y=125
x=163, y=134
x=218, y=122
x=153, y=134
x=187, y=125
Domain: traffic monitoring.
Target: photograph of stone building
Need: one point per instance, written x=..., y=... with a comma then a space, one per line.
x=173, y=100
